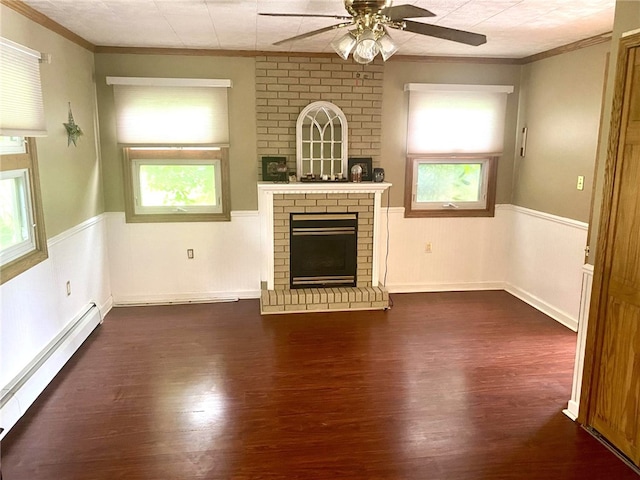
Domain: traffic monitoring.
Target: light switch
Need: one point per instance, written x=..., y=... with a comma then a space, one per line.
x=580, y=185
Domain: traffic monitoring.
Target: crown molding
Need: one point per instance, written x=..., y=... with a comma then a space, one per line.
x=41, y=19
x=446, y=59
x=570, y=47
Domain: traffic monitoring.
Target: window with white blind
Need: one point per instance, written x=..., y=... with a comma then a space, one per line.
x=23, y=241
x=175, y=134
x=21, y=105
x=454, y=138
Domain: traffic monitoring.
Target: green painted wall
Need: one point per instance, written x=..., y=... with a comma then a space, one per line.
x=70, y=177
x=242, y=116
x=561, y=100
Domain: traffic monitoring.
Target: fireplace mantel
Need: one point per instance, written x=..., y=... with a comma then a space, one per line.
x=321, y=187
x=266, y=192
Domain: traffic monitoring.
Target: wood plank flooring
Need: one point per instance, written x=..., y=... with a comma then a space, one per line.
x=445, y=386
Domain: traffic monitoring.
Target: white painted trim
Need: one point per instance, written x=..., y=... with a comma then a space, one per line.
x=572, y=410
x=20, y=48
x=106, y=307
x=322, y=187
x=172, y=298
x=457, y=87
x=375, y=261
x=548, y=216
x=573, y=406
x=445, y=287
x=244, y=213
x=24, y=388
x=265, y=207
x=67, y=234
x=539, y=304
x=169, y=82
x=630, y=32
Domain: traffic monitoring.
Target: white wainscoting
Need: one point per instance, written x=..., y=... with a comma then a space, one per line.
x=535, y=256
x=36, y=311
x=546, y=256
x=466, y=253
x=149, y=261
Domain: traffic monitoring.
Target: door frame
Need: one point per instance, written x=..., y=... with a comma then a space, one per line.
x=602, y=265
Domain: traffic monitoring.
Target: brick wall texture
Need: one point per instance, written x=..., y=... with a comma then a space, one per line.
x=285, y=85
x=286, y=204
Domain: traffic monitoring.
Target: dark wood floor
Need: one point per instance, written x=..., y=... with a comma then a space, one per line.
x=443, y=386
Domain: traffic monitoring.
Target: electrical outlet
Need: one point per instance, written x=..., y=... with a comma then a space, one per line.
x=68, y=288
x=427, y=247
x=580, y=185
x=190, y=253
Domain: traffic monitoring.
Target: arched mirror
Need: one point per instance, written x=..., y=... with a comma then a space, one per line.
x=321, y=142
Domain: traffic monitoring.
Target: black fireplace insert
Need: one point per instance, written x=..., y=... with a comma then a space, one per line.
x=323, y=249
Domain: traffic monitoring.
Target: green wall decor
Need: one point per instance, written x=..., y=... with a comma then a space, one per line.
x=73, y=130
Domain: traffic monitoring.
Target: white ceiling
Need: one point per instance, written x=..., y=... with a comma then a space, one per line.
x=514, y=28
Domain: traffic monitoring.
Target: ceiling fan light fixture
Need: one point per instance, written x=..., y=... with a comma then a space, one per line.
x=386, y=46
x=366, y=47
x=344, y=44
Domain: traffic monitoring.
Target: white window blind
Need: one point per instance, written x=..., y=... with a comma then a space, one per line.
x=456, y=118
x=21, y=105
x=164, y=111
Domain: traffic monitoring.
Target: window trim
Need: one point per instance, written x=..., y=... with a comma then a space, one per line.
x=491, y=180
x=39, y=253
x=131, y=154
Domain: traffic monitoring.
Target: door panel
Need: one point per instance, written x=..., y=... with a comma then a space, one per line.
x=615, y=395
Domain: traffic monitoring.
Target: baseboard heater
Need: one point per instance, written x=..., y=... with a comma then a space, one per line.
x=18, y=395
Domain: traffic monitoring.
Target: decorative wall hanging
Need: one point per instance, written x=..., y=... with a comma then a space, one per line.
x=73, y=130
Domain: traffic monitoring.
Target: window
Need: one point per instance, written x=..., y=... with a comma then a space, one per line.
x=454, y=139
x=176, y=136
x=176, y=184
x=23, y=242
x=444, y=185
x=321, y=137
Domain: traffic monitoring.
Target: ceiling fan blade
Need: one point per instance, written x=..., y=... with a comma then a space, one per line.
x=339, y=17
x=313, y=32
x=445, y=33
x=400, y=12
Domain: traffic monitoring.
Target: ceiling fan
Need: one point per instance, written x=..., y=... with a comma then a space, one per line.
x=370, y=19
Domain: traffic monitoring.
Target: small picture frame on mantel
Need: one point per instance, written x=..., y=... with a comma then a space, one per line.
x=367, y=167
x=274, y=169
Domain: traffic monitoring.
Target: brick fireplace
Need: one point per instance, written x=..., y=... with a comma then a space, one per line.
x=277, y=203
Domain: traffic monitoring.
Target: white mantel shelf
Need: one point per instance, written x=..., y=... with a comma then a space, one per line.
x=266, y=191
x=323, y=187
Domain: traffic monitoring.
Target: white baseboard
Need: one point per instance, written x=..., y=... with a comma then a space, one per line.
x=572, y=410
x=444, y=287
x=106, y=307
x=212, y=297
x=20, y=393
x=544, y=307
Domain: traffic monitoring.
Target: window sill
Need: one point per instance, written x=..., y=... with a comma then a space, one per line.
x=484, y=212
x=177, y=217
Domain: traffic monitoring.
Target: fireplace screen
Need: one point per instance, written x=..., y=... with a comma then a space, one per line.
x=323, y=250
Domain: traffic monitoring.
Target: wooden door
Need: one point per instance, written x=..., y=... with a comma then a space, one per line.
x=613, y=405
